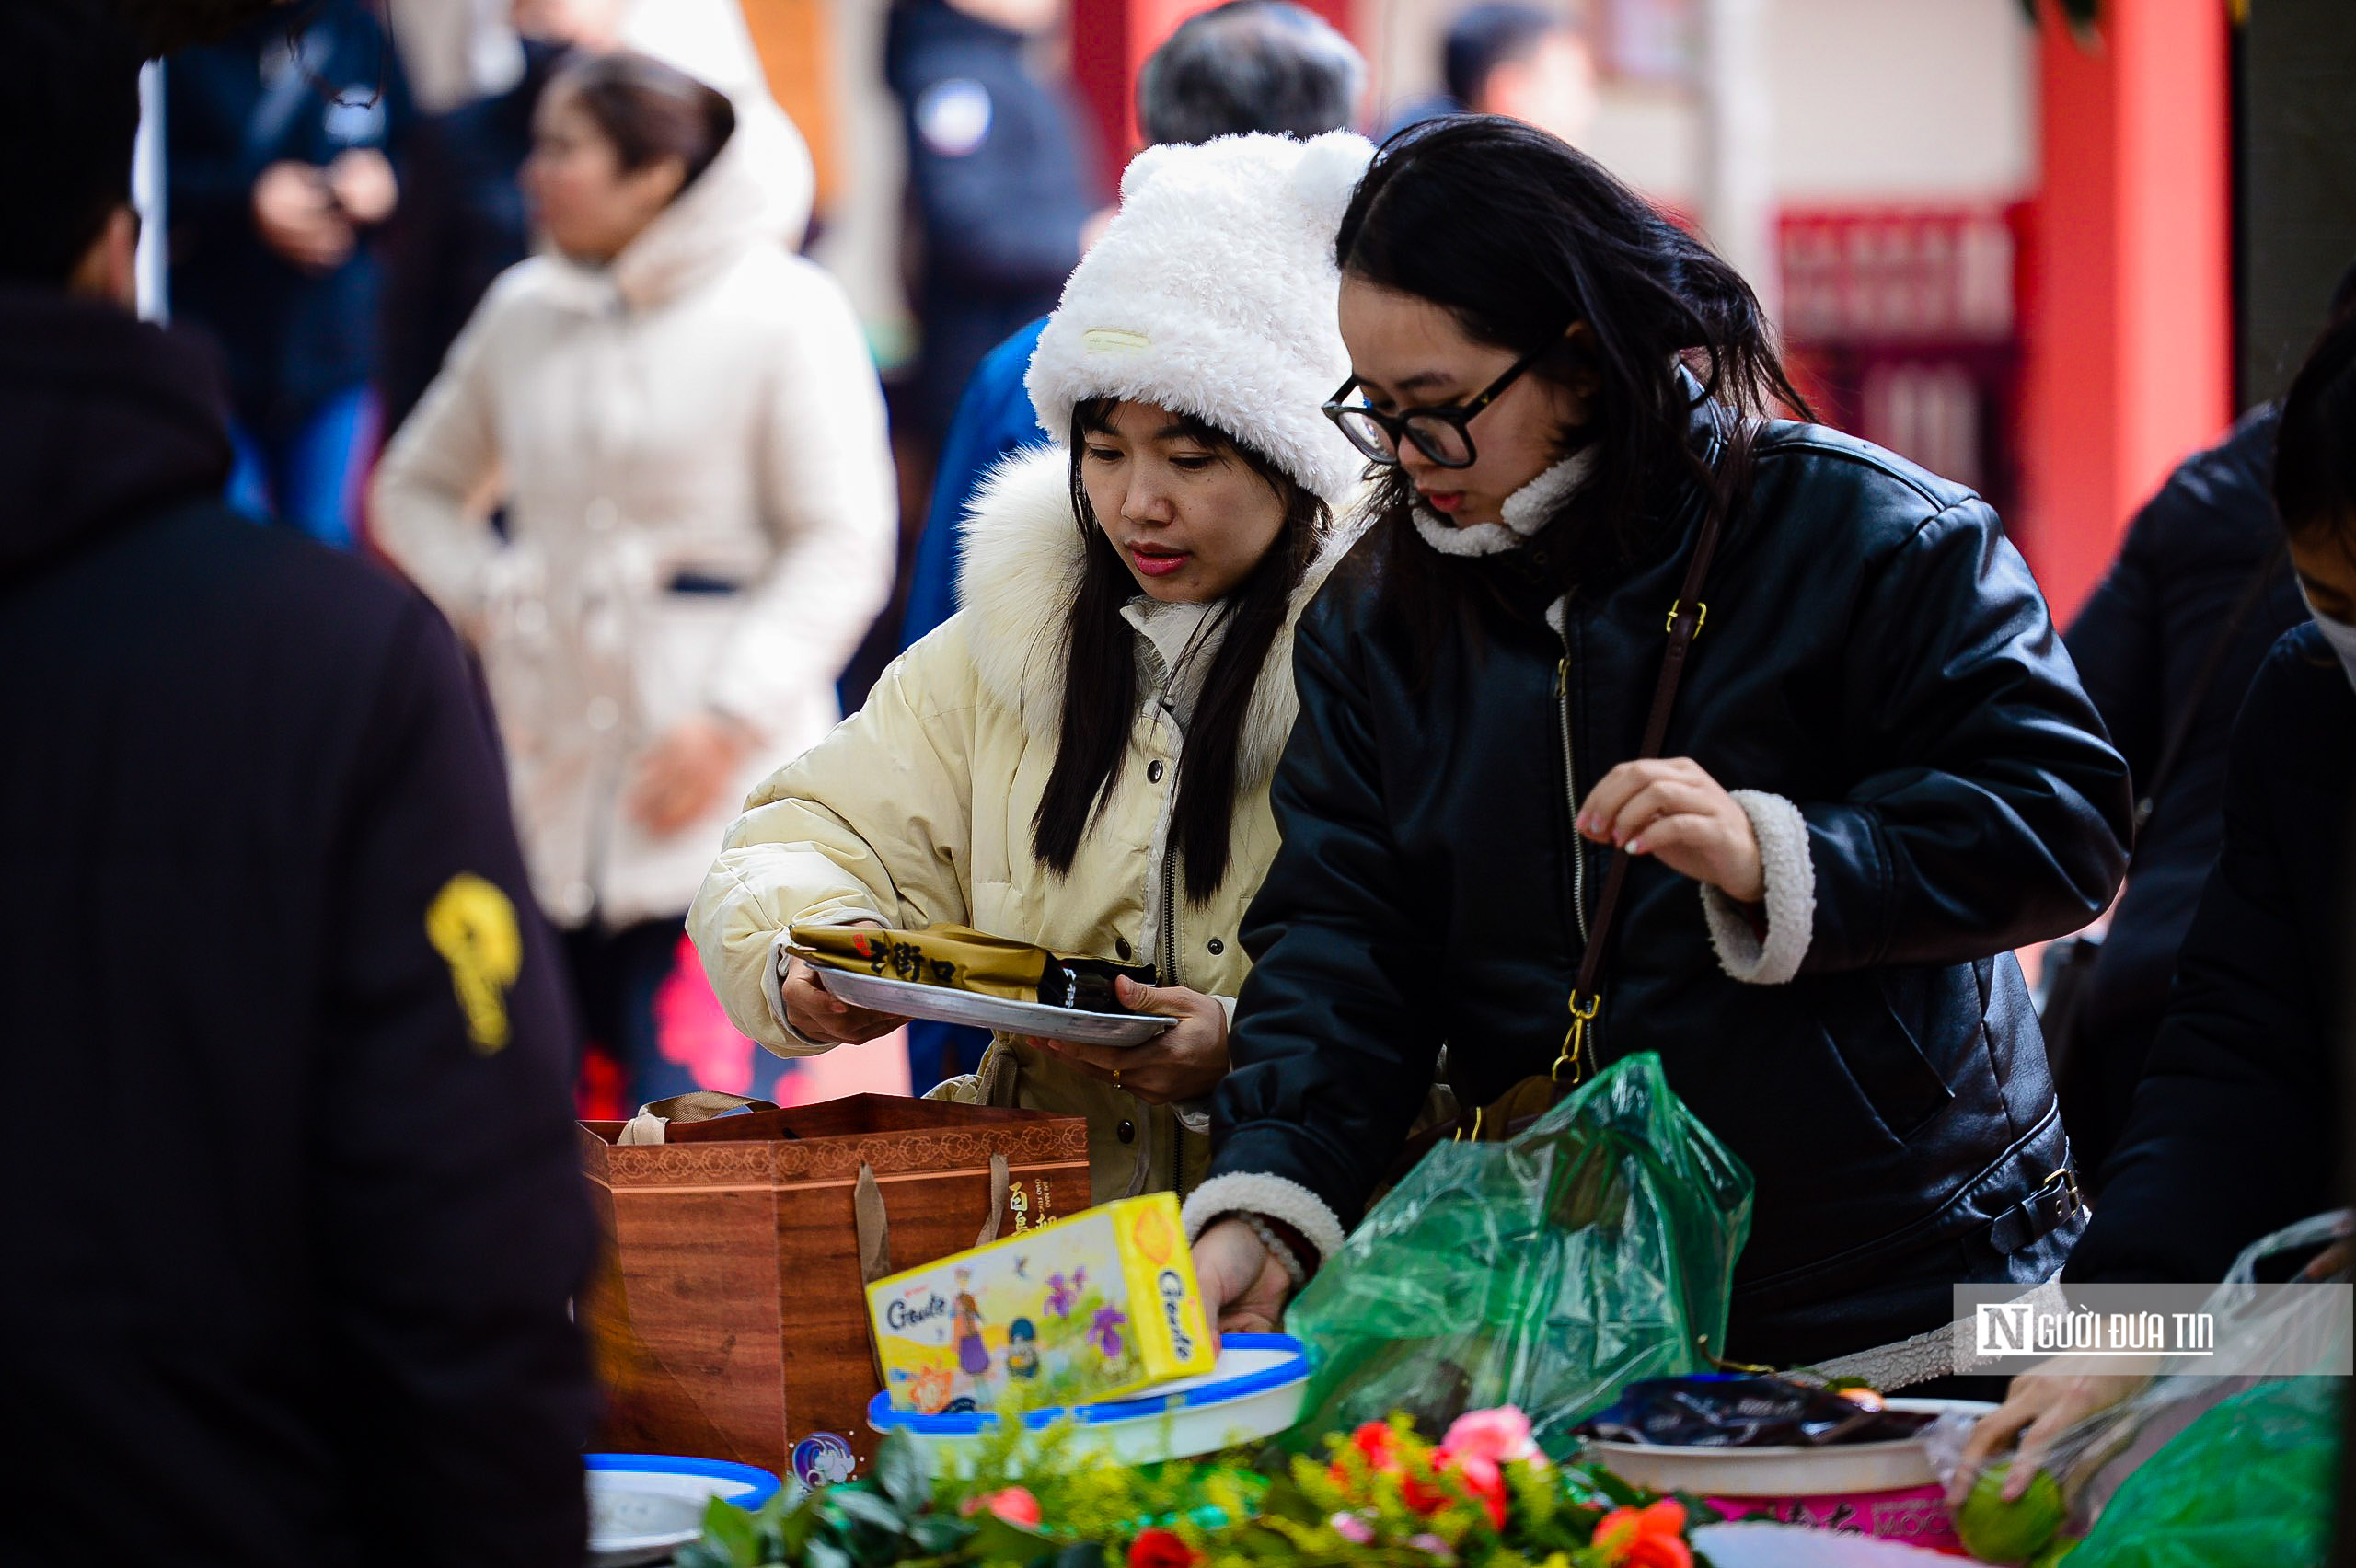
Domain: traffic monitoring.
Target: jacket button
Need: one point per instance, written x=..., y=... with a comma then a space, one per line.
x=1153, y=771
x=1218, y=947
x=1127, y=1131
x=1121, y=945
x=601, y=514
x=604, y=713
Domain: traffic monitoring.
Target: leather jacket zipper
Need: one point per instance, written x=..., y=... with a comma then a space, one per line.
x=1571, y=787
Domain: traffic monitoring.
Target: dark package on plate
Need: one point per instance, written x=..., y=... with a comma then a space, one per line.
x=1734, y=1411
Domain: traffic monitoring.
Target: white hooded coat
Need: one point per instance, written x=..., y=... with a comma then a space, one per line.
x=700, y=517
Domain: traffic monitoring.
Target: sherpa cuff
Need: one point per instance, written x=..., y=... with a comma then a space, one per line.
x=1790, y=875
x=1247, y=1192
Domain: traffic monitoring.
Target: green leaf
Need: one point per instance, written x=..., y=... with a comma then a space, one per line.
x=819, y=1553
x=937, y=1535
x=866, y=1508
x=730, y=1528
x=995, y=1540
x=901, y=1471
x=1087, y=1554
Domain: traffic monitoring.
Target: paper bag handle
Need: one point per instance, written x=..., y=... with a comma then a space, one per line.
x=875, y=1225
x=698, y=1105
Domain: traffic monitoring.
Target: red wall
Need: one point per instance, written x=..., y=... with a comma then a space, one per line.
x=1110, y=40
x=2127, y=284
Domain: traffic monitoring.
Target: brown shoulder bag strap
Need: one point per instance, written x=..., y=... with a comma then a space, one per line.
x=1685, y=620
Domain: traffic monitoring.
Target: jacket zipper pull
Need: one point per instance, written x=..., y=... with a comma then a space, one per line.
x=1563, y=676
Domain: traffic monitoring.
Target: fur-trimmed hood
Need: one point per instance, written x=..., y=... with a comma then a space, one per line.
x=1019, y=568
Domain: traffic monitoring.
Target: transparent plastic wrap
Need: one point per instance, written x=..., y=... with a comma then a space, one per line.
x=1548, y=1271
x=2175, y=1465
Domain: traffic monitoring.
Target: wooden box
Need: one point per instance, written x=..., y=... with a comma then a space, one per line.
x=728, y=1316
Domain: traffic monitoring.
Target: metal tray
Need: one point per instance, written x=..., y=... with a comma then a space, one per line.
x=907, y=999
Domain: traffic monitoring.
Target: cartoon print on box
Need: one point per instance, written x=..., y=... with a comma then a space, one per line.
x=1022, y=1349
x=1096, y=1305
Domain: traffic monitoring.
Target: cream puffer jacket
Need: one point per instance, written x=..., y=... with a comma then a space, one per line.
x=917, y=810
x=700, y=507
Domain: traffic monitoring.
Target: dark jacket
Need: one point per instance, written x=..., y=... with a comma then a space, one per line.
x=1873, y=651
x=293, y=337
x=294, y=1227
x=2236, y=1131
x=999, y=186
x=2139, y=645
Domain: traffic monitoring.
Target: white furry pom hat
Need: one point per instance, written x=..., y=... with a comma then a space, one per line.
x=1212, y=293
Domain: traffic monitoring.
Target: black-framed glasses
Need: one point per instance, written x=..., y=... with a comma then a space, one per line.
x=1439, y=434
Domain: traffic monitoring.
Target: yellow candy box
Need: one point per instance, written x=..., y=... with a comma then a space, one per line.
x=1098, y=1305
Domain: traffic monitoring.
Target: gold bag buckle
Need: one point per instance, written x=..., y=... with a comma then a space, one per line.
x=1575, y=1054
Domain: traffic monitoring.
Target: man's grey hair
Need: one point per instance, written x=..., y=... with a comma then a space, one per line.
x=1250, y=66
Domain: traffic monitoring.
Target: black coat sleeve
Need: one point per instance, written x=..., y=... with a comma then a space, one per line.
x=1988, y=810
x=450, y=1215
x=2117, y=643
x=1336, y=1035
x=2232, y=1132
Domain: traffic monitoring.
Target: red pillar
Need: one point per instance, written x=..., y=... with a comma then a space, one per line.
x=2127, y=282
x=1110, y=41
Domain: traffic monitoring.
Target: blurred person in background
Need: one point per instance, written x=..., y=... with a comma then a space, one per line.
x=1518, y=60
x=1001, y=184
x=300, y=1293
x=2235, y=1129
x=462, y=218
x=684, y=427
x=279, y=156
x=1248, y=65
x=2167, y=648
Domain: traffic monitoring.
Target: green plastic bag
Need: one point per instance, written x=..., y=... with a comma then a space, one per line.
x=1595, y=1248
x=2248, y=1484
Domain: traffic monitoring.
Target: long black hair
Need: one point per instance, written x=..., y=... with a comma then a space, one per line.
x=1519, y=237
x=1101, y=670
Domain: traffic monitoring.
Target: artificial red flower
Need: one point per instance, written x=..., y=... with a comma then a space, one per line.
x=1379, y=1443
x=1644, y=1538
x=1475, y=1476
x=1502, y=1435
x=1161, y=1549
x=1015, y=1505
x=1483, y=1482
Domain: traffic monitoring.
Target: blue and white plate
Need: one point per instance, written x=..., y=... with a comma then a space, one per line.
x=643, y=1507
x=1255, y=1393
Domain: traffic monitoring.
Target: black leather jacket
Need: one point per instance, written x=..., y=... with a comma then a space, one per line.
x=1875, y=652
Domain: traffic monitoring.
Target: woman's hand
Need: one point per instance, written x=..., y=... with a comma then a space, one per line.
x=361, y=180
x=1185, y=1062
x=1672, y=810
x=1244, y=1285
x=678, y=779
x=819, y=1014
x=2037, y=1410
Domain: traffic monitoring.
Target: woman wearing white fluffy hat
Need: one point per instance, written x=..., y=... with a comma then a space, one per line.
x=1081, y=758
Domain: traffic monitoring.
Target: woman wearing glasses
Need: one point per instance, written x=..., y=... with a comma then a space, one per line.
x=1878, y=774
x=1080, y=757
